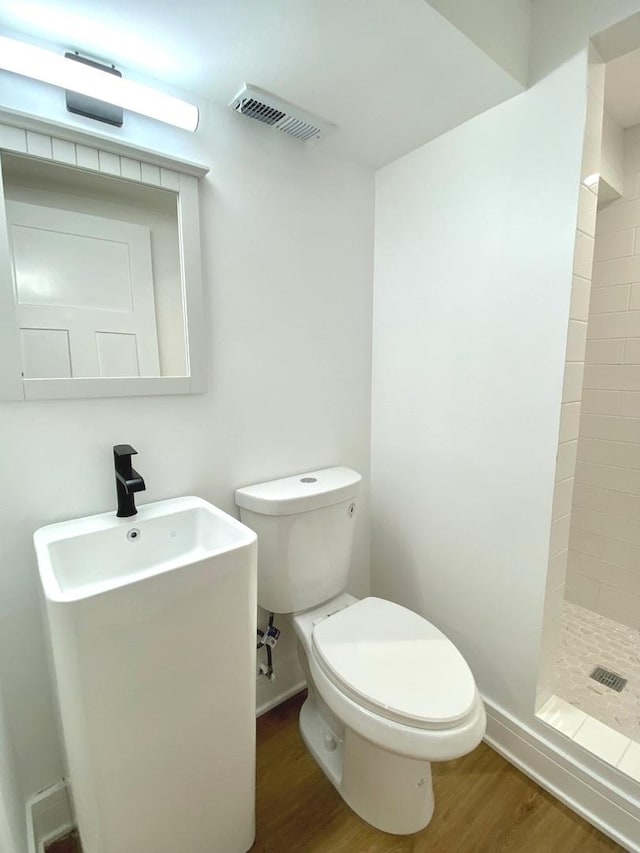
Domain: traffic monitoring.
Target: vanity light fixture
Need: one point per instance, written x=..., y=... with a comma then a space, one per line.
x=85, y=79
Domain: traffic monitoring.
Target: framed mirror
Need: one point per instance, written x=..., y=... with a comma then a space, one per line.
x=100, y=269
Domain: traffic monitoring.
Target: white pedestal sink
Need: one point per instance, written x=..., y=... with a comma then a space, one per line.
x=153, y=627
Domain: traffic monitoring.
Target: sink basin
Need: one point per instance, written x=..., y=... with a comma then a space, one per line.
x=152, y=622
x=91, y=555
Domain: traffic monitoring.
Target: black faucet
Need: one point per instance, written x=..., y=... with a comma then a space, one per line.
x=128, y=481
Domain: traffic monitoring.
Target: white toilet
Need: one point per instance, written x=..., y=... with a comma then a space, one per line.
x=388, y=692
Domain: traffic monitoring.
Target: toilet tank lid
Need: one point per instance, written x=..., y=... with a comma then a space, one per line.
x=300, y=493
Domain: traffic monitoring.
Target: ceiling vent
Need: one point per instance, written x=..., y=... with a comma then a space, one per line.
x=262, y=106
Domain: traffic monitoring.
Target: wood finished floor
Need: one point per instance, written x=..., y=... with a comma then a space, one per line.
x=68, y=844
x=483, y=805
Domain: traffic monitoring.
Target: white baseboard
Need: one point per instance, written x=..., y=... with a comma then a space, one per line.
x=49, y=815
x=617, y=816
x=290, y=680
x=281, y=696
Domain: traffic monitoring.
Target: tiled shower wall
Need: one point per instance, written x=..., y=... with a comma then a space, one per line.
x=573, y=380
x=604, y=557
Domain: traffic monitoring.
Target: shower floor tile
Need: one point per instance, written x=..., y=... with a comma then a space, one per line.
x=590, y=640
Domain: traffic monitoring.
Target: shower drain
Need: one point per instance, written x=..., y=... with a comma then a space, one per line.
x=609, y=679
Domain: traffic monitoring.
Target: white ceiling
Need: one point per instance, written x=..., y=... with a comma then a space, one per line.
x=391, y=74
x=622, y=88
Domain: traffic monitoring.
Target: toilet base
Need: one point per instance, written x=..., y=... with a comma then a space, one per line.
x=391, y=792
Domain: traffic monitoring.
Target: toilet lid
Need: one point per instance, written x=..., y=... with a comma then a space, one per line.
x=396, y=663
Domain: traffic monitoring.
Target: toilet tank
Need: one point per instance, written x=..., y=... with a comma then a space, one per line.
x=305, y=529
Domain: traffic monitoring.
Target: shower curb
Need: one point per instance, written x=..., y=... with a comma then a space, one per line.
x=595, y=791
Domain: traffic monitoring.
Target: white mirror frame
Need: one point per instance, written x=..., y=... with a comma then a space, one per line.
x=58, y=144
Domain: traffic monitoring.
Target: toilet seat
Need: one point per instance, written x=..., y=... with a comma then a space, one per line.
x=396, y=664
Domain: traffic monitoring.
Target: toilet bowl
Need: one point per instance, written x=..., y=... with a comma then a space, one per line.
x=388, y=693
x=375, y=729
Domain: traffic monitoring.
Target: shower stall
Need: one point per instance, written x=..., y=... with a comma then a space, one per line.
x=589, y=684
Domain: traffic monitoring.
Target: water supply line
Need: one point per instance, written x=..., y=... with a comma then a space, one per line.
x=267, y=640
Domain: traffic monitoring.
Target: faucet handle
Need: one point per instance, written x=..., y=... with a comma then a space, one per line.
x=124, y=450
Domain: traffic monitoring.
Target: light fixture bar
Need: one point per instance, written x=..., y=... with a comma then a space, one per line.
x=38, y=64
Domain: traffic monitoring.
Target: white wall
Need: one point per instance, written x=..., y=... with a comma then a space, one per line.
x=470, y=321
x=287, y=241
x=499, y=27
x=12, y=824
x=561, y=29
x=475, y=237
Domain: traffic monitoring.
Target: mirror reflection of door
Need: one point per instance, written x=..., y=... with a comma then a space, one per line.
x=84, y=294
